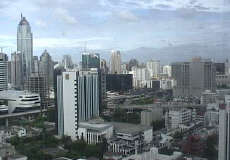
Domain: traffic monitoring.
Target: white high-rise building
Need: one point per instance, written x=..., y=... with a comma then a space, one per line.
x=167, y=69
x=115, y=62
x=153, y=67
x=224, y=130
x=80, y=99
x=3, y=71
x=25, y=46
x=16, y=70
x=140, y=76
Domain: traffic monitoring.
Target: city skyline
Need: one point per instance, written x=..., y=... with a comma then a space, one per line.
x=112, y=25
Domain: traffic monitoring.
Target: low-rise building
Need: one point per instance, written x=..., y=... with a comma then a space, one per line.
x=208, y=97
x=93, y=132
x=175, y=117
x=150, y=115
x=129, y=138
x=20, y=101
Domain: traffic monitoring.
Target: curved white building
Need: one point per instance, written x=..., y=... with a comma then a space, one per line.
x=21, y=101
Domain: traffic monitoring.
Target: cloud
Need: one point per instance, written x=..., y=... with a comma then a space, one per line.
x=199, y=5
x=68, y=42
x=41, y=23
x=65, y=16
x=127, y=16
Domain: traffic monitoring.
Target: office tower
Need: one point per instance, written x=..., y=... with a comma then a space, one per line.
x=140, y=76
x=9, y=71
x=37, y=83
x=3, y=72
x=115, y=62
x=220, y=68
x=80, y=93
x=90, y=60
x=58, y=70
x=224, y=130
x=192, y=78
x=103, y=66
x=67, y=62
x=167, y=69
x=153, y=67
x=132, y=63
x=16, y=70
x=35, y=64
x=180, y=72
x=46, y=67
x=119, y=82
x=25, y=46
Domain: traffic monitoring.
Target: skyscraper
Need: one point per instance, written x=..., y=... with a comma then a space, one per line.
x=67, y=62
x=16, y=70
x=153, y=67
x=224, y=130
x=192, y=78
x=37, y=83
x=46, y=67
x=3, y=71
x=25, y=46
x=115, y=62
x=90, y=60
x=79, y=99
x=35, y=64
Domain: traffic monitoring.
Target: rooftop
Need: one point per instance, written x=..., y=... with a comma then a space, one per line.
x=98, y=126
x=128, y=128
x=13, y=94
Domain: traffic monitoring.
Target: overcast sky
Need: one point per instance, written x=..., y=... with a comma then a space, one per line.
x=116, y=24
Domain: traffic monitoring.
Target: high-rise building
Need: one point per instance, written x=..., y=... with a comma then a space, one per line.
x=35, y=64
x=224, y=130
x=153, y=67
x=115, y=62
x=79, y=99
x=192, y=78
x=58, y=101
x=140, y=76
x=119, y=82
x=37, y=83
x=90, y=60
x=25, y=46
x=3, y=71
x=16, y=70
x=103, y=66
x=67, y=62
x=9, y=71
x=46, y=67
x=167, y=69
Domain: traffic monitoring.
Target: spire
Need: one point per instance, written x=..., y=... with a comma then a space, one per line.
x=21, y=16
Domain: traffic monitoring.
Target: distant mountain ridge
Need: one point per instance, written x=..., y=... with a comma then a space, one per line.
x=166, y=55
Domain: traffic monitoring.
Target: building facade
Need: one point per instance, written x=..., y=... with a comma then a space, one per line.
x=192, y=78
x=46, y=67
x=37, y=83
x=224, y=130
x=25, y=46
x=115, y=62
x=3, y=71
x=119, y=82
x=153, y=66
x=80, y=99
x=16, y=70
